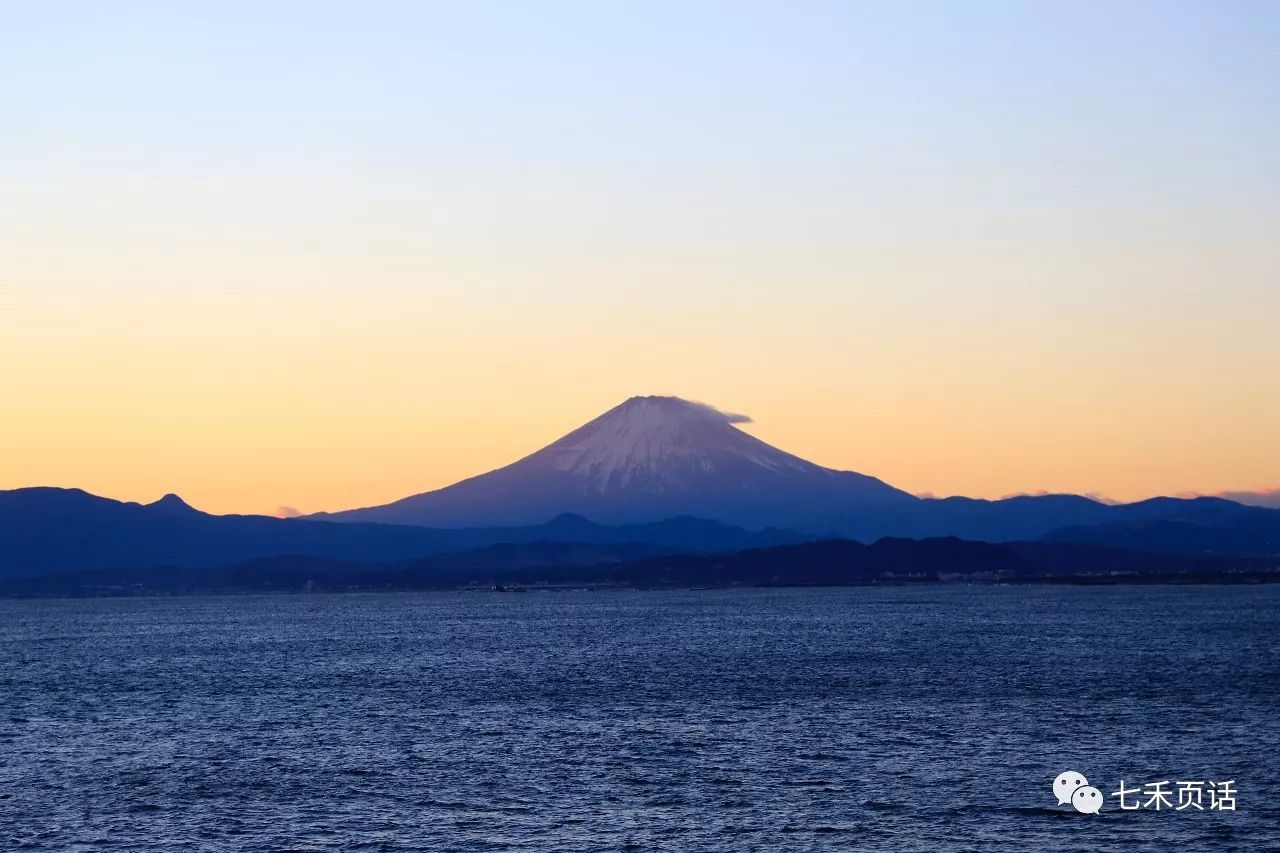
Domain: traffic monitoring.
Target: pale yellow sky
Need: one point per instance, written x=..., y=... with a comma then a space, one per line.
x=335, y=390
x=945, y=253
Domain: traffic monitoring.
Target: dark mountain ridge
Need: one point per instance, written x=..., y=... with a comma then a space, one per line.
x=1225, y=525
x=47, y=529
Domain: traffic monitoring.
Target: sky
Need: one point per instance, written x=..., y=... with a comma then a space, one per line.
x=325, y=255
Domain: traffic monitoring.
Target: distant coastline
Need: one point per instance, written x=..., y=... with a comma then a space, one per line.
x=544, y=566
x=66, y=542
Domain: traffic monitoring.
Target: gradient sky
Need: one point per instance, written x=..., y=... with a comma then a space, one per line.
x=325, y=255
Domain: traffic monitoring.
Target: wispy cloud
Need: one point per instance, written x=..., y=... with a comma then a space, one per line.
x=1260, y=497
x=730, y=417
x=1038, y=493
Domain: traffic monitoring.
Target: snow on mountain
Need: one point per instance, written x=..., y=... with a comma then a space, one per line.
x=647, y=459
x=659, y=444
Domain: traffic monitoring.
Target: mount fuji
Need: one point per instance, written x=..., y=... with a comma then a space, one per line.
x=649, y=458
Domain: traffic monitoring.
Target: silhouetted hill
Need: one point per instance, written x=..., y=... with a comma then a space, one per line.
x=46, y=530
x=171, y=504
x=1207, y=526
x=1166, y=525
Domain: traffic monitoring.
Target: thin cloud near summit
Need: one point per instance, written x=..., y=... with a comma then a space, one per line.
x=729, y=417
x=1269, y=498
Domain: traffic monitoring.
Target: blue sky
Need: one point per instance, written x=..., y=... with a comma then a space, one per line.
x=850, y=220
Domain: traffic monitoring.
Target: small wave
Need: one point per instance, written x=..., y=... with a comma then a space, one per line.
x=1039, y=811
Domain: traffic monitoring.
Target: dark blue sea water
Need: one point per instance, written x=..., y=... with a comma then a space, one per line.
x=896, y=719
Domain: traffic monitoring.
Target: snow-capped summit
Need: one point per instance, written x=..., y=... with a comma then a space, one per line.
x=663, y=444
x=646, y=459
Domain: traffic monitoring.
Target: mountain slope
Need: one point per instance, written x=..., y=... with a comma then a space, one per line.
x=646, y=459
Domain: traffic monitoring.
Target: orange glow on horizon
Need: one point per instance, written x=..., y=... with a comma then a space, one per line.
x=981, y=258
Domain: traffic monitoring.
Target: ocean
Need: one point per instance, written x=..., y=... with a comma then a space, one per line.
x=874, y=718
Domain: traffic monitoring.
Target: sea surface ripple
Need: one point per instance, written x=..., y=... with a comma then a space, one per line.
x=896, y=719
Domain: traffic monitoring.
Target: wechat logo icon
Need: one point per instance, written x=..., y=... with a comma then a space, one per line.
x=1072, y=787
